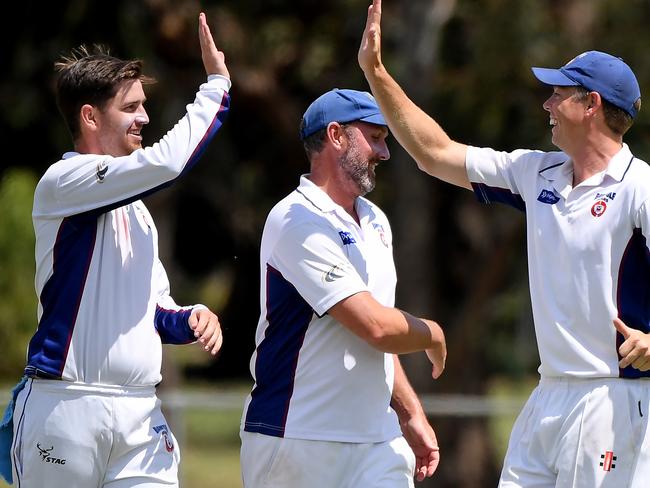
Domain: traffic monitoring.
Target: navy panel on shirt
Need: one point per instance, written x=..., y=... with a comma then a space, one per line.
x=633, y=293
x=489, y=194
x=289, y=316
x=61, y=295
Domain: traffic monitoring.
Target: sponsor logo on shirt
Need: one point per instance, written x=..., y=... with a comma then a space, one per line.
x=102, y=169
x=347, y=238
x=46, y=455
x=598, y=208
x=382, y=235
x=602, y=199
x=163, y=430
x=548, y=196
x=334, y=273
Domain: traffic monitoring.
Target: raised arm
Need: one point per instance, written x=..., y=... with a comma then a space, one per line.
x=420, y=135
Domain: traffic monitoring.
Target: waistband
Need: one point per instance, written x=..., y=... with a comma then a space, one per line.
x=108, y=390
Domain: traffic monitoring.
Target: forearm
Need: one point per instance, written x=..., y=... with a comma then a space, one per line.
x=421, y=136
x=404, y=400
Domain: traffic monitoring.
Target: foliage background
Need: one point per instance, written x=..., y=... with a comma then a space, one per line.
x=466, y=62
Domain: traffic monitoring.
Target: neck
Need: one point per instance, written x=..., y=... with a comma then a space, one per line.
x=593, y=157
x=336, y=191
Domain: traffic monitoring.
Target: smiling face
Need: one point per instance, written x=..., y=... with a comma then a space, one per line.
x=566, y=116
x=367, y=146
x=120, y=121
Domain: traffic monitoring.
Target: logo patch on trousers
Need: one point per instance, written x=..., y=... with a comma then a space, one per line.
x=46, y=455
x=163, y=430
x=608, y=459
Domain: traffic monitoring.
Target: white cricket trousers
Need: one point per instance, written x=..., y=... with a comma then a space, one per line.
x=581, y=433
x=275, y=462
x=69, y=435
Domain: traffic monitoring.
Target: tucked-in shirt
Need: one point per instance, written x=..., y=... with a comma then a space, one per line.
x=588, y=255
x=104, y=305
x=314, y=378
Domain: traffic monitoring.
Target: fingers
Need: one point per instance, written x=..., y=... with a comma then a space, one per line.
x=214, y=60
x=622, y=328
x=426, y=466
x=207, y=330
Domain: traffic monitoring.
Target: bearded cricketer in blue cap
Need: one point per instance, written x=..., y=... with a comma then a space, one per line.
x=331, y=405
x=587, y=211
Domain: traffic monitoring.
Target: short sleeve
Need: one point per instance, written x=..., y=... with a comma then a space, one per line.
x=311, y=257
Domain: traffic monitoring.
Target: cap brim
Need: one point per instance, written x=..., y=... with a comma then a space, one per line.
x=554, y=77
x=377, y=119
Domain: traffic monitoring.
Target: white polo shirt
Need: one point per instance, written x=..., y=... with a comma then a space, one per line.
x=314, y=379
x=104, y=305
x=588, y=255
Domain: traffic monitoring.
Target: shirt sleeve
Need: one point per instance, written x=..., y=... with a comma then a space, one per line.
x=87, y=182
x=170, y=319
x=312, y=258
x=497, y=176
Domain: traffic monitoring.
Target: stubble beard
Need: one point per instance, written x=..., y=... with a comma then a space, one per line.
x=358, y=170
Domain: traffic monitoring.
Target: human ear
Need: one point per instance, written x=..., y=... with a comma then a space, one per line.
x=88, y=117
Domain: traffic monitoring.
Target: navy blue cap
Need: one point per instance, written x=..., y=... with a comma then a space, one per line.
x=340, y=106
x=599, y=72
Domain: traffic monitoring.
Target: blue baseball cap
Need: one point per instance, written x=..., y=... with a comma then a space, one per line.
x=340, y=105
x=599, y=72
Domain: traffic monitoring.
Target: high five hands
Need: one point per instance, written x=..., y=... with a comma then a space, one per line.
x=214, y=60
x=369, y=56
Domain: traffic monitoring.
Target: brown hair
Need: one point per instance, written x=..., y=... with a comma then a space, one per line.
x=617, y=119
x=91, y=77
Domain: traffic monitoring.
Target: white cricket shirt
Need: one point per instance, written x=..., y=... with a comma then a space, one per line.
x=314, y=379
x=588, y=255
x=104, y=304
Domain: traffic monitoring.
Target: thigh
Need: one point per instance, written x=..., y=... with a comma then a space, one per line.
x=609, y=439
x=526, y=463
x=145, y=452
x=388, y=464
x=275, y=462
x=59, y=439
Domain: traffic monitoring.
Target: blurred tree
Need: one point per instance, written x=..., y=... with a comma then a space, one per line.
x=17, y=296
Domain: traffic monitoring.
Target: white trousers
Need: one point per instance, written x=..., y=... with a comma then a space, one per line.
x=275, y=462
x=586, y=433
x=70, y=435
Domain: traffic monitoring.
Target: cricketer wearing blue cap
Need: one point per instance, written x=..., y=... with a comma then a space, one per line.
x=329, y=391
x=587, y=209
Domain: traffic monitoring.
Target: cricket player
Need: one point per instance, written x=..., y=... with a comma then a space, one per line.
x=330, y=395
x=87, y=414
x=588, y=222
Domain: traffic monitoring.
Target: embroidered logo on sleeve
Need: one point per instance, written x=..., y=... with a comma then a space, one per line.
x=548, y=196
x=102, y=169
x=334, y=273
x=347, y=238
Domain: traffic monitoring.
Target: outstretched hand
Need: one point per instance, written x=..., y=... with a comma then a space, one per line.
x=635, y=350
x=214, y=60
x=207, y=329
x=370, y=50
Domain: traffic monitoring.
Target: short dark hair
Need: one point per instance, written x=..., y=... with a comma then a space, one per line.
x=313, y=143
x=91, y=76
x=617, y=119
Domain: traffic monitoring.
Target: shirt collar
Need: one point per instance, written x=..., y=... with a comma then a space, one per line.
x=562, y=174
x=324, y=203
